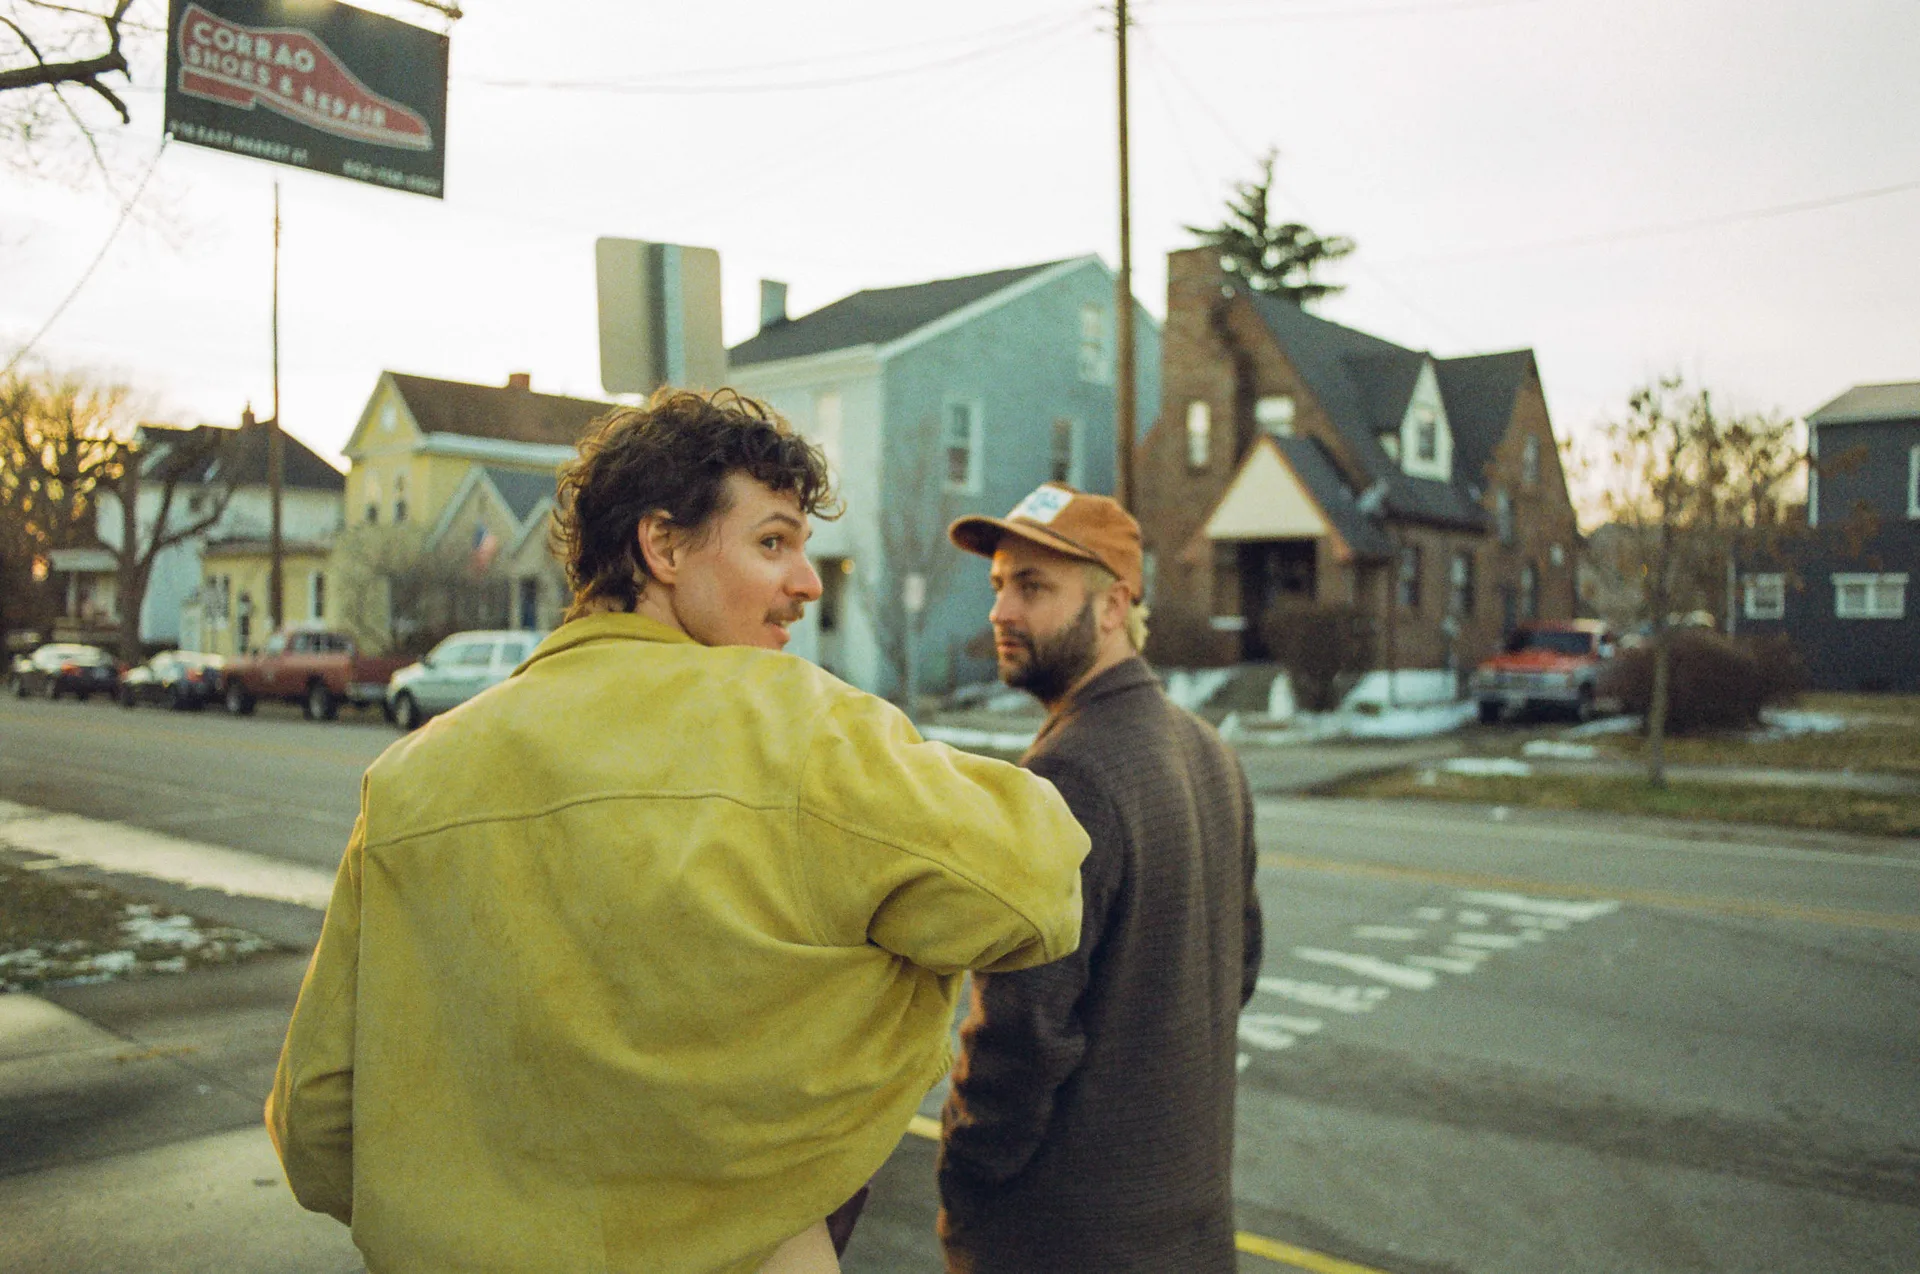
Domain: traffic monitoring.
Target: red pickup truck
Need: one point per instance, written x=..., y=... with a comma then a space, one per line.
x=318, y=670
x=1546, y=663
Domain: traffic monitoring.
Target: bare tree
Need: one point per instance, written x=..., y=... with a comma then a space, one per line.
x=398, y=593
x=162, y=462
x=917, y=503
x=49, y=49
x=60, y=448
x=1690, y=491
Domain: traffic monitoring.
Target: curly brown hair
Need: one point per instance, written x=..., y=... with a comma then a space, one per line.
x=671, y=456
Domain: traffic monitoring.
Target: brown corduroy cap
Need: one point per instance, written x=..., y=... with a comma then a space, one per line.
x=1092, y=528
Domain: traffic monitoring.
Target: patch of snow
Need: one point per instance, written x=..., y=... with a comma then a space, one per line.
x=113, y=962
x=1487, y=767
x=1603, y=726
x=1784, y=723
x=1560, y=751
x=1191, y=688
x=993, y=740
x=1412, y=723
x=1280, y=704
x=1410, y=687
x=174, y=931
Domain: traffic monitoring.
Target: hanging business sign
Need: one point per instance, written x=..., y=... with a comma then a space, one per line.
x=312, y=84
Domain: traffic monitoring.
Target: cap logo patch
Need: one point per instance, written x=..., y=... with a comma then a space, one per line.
x=1043, y=506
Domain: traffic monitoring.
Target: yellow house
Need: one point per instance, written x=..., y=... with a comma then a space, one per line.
x=471, y=470
x=235, y=587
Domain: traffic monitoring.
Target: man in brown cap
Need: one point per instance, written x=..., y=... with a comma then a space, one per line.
x=1090, y=1125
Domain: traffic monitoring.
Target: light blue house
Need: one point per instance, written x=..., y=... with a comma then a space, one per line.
x=932, y=401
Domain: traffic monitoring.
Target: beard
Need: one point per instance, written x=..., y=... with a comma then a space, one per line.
x=1052, y=664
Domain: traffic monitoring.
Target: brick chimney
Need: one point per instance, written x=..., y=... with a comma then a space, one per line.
x=773, y=303
x=246, y=417
x=520, y=380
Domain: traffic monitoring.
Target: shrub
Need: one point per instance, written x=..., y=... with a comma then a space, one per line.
x=1714, y=682
x=1320, y=644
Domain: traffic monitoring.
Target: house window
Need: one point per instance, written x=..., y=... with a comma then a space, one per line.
x=1557, y=555
x=316, y=595
x=1503, y=514
x=961, y=442
x=1426, y=438
x=389, y=415
x=1199, y=433
x=1410, y=576
x=529, y=607
x=1870, y=596
x=1274, y=415
x=373, y=514
x=1766, y=597
x=1063, y=464
x=833, y=572
x=1461, y=577
x=1149, y=574
x=1096, y=364
x=1529, y=592
x=400, y=498
x=1913, y=482
x=1530, y=462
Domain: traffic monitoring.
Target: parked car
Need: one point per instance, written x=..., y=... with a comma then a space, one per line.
x=65, y=668
x=316, y=669
x=184, y=680
x=1546, y=664
x=453, y=672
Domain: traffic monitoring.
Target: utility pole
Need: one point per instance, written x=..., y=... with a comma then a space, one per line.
x=1124, y=407
x=276, y=452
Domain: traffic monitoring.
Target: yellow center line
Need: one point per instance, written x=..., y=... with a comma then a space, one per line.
x=218, y=743
x=1252, y=1244
x=1748, y=907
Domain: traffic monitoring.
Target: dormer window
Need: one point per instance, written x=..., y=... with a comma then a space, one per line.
x=1426, y=438
x=389, y=416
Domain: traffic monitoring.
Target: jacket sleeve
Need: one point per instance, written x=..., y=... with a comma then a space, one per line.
x=949, y=860
x=1253, y=924
x=1026, y=1036
x=310, y=1111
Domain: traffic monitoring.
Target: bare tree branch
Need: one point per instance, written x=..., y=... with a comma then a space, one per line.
x=85, y=72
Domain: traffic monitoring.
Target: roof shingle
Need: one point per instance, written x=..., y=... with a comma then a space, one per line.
x=496, y=411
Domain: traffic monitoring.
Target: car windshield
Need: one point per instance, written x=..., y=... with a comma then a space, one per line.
x=1557, y=643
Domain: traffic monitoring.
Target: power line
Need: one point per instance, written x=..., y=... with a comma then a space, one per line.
x=1021, y=33
x=126, y=210
x=1236, y=15
x=1669, y=227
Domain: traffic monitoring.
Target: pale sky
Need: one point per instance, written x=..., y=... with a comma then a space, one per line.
x=1513, y=170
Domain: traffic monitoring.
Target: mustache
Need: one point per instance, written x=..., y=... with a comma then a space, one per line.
x=789, y=615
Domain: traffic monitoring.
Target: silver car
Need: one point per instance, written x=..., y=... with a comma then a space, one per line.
x=455, y=671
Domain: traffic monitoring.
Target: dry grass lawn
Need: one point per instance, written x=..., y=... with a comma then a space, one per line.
x=1883, y=735
x=1808, y=808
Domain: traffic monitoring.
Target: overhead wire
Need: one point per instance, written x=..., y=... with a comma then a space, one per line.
x=1015, y=34
x=1234, y=15
x=126, y=210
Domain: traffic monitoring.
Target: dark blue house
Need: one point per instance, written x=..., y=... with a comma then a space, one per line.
x=1840, y=593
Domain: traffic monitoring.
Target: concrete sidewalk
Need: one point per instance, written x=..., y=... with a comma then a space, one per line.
x=131, y=1134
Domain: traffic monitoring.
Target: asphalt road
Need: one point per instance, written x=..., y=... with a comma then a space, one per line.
x=1484, y=1041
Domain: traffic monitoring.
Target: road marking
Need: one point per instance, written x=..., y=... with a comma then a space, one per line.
x=1275, y=1031
x=1389, y=933
x=1252, y=1244
x=1491, y=941
x=1369, y=967
x=1446, y=964
x=1340, y=999
x=1836, y=916
x=1551, y=908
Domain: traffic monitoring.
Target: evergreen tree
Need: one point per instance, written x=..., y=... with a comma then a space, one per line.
x=1277, y=259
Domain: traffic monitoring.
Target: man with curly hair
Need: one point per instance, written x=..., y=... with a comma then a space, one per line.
x=643, y=959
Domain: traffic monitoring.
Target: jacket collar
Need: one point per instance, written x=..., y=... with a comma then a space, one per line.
x=1129, y=674
x=604, y=626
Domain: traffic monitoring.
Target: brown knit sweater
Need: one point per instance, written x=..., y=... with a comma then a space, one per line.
x=1091, y=1121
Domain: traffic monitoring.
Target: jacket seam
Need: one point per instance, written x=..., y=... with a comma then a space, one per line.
x=476, y=820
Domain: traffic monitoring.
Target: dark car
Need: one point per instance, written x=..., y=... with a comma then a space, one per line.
x=184, y=680
x=65, y=668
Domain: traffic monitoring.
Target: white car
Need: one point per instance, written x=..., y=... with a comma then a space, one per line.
x=455, y=671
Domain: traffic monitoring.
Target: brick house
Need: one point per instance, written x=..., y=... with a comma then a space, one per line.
x=1295, y=456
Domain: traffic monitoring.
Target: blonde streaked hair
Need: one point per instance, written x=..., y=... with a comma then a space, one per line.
x=1099, y=580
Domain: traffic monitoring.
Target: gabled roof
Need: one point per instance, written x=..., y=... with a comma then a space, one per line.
x=496, y=411
x=522, y=491
x=241, y=457
x=1899, y=400
x=1337, y=363
x=1479, y=393
x=874, y=316
x=1322, y=478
